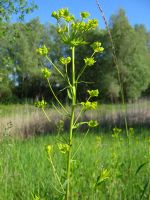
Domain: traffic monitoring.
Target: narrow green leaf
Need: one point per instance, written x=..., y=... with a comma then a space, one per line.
x=69, y=94
x=145, y=187
x=140, y=167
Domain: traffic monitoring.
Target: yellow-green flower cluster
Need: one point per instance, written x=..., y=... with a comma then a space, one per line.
x=116, y=132
x=84, y=15
x=89, y=105
x=89, y=61
x=64, y=148
x=46, y=73
x=65, y=61
x=104, y=175
x=36, y=197
x=41, y=104
x=72, y=31
x=43, y=51
x=84, y=26
x=49, y=149
x=93, y=93
x=97, y=47
x=92, y=123
x=63, y=13
x=62, y=29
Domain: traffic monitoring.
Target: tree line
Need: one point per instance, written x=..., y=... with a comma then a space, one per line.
x=20, y=65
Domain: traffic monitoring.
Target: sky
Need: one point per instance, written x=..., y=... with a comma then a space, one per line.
x=137, y=11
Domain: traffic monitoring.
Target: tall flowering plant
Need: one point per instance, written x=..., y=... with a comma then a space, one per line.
x=72, y=33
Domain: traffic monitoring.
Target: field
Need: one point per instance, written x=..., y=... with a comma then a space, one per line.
x=105, y=165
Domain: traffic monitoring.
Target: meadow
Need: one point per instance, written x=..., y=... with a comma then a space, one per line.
x=105, y=164
x=106, y=167
x=25, y=120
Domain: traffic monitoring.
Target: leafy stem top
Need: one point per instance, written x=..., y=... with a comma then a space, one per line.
x=72, y=31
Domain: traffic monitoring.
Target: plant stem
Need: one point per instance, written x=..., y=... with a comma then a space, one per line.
x=56, y=97
x=116, y=65
x=71, y=124
x=55, y=173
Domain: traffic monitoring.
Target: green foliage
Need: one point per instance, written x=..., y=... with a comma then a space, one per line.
x=20, y=7
x=20, y=65
x=26, y=170
x=131, y=46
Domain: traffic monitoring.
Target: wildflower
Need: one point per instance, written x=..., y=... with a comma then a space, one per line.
x=89, y=61
x=92, y=123
x=64, y=12
x=104, y=175
x=65, y=61
x=116, y=132
x=55, y=15
x=49, y=149
x=63, y=29
x=69, y=18
x=91, y=24
x=84, y=15
x=46, y=73
x=41, y=104
x=97, y=47
x=93, y=93
x=64, y=148
x=89, y=105
x=43, y=51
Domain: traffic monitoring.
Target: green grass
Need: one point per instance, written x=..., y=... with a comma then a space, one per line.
x=25, y=170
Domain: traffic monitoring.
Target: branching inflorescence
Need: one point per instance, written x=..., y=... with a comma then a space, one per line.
x=72, y=33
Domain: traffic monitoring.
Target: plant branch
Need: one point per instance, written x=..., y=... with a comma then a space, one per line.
x=56, y=97
x=55, y=67
x=46, y=114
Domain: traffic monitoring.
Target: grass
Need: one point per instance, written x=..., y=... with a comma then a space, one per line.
x=25, y=170
x=26, y=120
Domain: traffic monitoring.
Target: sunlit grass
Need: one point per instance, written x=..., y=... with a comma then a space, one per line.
x=25, y=170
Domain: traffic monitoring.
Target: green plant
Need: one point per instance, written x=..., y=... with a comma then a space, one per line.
x=72, y=34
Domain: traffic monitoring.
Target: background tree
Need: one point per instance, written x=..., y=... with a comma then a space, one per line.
x=20, y=65
x=132, y=51
x=17, y=7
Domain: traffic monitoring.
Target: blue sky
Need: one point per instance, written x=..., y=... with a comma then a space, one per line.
x=137, y=11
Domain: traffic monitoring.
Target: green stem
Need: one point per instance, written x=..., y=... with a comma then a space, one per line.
x=116, y=64
x=71, y=124
x=80, y=112
x=55, y=66
x=56, y=97
x=80, y=144
x=46, y=115
x=80, y=74
x=55, y=174
x=67, y=77
x=83, y=69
